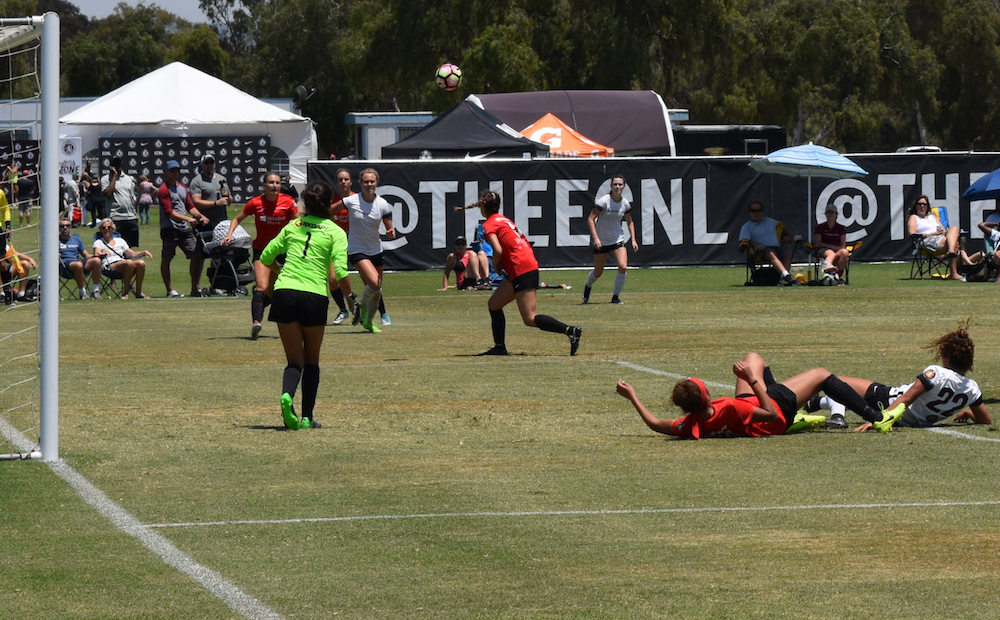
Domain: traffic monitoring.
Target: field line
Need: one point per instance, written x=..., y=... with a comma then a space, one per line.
x=672, y=375
x=951, y=433
x=237, y=600
x=574, y=513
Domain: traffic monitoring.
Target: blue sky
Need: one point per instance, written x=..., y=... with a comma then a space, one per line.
x=188, y=9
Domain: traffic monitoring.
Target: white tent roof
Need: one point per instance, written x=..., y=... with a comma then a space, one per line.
x=178, y=95
x=178, y=100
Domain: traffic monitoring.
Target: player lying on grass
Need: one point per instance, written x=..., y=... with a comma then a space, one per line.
x=939, y=392
x=761, y=406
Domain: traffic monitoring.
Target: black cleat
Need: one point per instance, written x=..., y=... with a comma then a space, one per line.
x=586, y=294
x=836, y=421
x=574, y=339
x=497, y=350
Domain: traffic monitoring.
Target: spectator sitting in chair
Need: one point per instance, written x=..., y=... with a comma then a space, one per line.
x=830, y=243
x=18, y=267
x=71, y=250
x=760, y=235
x=117, y=256
x=926, y=229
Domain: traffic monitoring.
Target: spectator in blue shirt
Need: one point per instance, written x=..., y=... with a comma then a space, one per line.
x=71, y=251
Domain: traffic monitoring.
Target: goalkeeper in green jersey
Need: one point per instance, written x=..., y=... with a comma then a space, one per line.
x=310, y=244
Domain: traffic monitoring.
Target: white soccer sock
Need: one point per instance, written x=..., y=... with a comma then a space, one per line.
x=825, y=402
x=591, y=279
x=620, y=282
x=369, y=301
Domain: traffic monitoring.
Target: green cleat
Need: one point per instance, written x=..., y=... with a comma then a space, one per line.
x=371, y=327
x=307, y=423
x=889, y=417
x=805, y=422
x=288, y=412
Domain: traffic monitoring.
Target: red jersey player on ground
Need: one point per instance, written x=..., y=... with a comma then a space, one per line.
x=512, y=250
x=761, y=406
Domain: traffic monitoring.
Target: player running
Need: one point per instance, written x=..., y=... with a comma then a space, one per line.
x=939, y=392
x=512, y=250
x=605, y=223
x=271, y=211
x=761, y=406
x=310, y=245
x=367, y=211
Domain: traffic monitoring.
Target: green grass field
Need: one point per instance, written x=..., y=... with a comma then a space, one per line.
x=445, y=485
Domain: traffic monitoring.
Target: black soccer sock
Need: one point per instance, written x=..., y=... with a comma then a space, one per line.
x=290, y=380
x=845, y=394
x=338, y=296
x=267, y=302
x=257, y=307
x=310, y=386
x=499, y=323
x=548, y=324
x=381, y=304
x=768, y=377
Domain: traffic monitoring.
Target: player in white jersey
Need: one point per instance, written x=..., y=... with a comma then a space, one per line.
x=605, y=223
x=366, y=212
x=939, y=392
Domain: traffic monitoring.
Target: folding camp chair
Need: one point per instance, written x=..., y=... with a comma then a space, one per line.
x=930, y=263
x=814, y=262
x=760, y=272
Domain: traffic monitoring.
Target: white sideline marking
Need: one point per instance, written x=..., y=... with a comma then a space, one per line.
x=237, y=600
x=673, y=375
x=948, y=431
x=574, y=513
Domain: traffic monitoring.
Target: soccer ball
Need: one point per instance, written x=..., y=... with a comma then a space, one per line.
x=449, y=76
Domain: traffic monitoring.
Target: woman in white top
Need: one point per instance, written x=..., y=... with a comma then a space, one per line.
x=932, y=235
x=605, y=223
x=367, y=211
x=116, y=255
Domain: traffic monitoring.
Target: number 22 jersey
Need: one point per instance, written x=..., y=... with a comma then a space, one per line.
x=947, y=392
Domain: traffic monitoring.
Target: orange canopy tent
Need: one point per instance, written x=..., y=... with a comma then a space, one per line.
x=562, y=140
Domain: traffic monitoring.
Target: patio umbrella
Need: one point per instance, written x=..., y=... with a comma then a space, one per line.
x=808, y=160
x=985, y=188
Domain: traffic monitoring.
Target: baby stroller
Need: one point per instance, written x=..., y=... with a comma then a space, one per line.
x=229, y=270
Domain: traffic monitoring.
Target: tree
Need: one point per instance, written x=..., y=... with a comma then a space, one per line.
x=199, y=48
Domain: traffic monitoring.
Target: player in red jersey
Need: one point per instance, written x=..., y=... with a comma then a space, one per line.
x=272, y=210
x=512, y=250
x=342, y=218
x=761, y=406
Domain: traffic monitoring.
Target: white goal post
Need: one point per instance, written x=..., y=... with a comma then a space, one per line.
x=16, y=32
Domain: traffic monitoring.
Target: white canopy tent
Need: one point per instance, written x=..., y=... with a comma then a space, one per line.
x=178, y=100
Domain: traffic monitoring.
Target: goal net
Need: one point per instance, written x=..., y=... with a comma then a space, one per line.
x=29, y=178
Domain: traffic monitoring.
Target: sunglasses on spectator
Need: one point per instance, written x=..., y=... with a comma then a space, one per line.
x=64, y=226
x=923, y=204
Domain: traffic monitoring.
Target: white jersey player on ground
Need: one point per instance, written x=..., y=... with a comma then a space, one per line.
x=939, y=392
x=605, y=223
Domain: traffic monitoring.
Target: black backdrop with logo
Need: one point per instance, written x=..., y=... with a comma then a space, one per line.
x=242, y=160
x=686, y=211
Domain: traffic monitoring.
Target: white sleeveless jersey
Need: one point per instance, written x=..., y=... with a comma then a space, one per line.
x=609, y=223
x=947, y=393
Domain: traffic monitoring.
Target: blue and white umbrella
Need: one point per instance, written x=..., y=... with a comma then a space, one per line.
x=808, y=160
x=986, y=188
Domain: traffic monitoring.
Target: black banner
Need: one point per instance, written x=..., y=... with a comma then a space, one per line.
x=24, y=153
x=243, y=160
x=686, y=211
